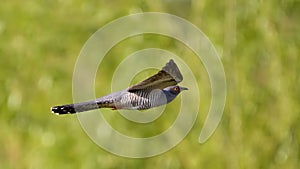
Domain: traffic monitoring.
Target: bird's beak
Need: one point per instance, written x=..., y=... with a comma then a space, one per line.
x=183, y=88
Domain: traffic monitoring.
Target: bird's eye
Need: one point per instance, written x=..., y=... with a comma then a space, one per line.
x=176, y=88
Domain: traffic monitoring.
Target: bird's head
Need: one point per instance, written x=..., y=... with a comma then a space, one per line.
x=172, y=91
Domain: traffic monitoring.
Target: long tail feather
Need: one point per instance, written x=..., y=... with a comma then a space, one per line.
x=83, y=106
x=74, y=108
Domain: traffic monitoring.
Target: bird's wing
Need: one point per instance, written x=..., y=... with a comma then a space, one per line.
x=168, y=76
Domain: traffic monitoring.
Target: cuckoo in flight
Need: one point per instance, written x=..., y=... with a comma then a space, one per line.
x=156, y=90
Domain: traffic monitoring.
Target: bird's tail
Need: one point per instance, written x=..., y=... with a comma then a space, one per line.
x=83, y=106
x=75, y=108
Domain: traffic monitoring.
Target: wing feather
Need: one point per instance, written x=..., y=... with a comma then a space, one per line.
x=168, y=76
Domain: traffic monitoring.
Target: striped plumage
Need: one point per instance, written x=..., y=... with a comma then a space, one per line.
x=157, y=90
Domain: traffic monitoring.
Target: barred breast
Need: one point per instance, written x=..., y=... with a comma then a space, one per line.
x=142, y=99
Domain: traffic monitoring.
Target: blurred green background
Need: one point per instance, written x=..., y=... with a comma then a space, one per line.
x=259, y=44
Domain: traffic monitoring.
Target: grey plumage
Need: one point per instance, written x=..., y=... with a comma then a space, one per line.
x=156, y=90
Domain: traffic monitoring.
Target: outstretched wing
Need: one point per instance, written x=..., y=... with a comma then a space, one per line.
x=168, y=76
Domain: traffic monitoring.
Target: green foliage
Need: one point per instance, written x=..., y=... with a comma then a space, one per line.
x=259, y=42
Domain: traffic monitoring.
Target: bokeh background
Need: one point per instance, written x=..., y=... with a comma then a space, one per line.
x=258, y=41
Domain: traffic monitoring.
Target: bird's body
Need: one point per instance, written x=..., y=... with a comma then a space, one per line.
x=157, y=90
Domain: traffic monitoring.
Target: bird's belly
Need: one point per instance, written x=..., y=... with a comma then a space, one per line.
x=133, y=101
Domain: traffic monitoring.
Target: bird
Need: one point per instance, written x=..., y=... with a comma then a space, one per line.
x=154, y=91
